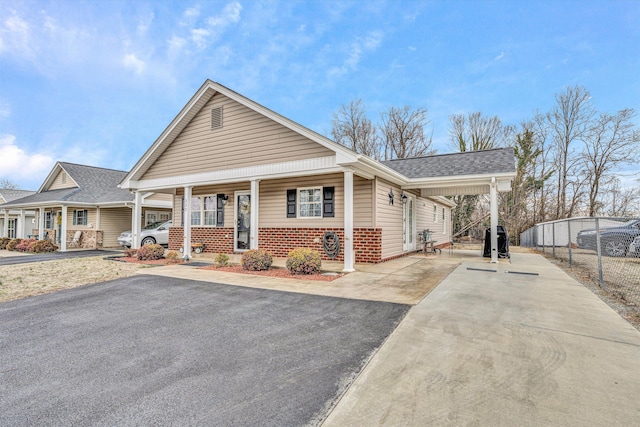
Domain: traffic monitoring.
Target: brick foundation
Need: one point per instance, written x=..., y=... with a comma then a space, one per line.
x=367, y=242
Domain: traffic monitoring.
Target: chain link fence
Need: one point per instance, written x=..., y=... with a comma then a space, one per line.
x=607, y=248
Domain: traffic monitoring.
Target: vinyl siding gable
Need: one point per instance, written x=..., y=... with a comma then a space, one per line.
x=62, y=180
x=246, y=138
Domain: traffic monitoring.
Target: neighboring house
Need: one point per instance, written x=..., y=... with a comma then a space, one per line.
x=15, y=222
x=252, y=178
x=77, y=197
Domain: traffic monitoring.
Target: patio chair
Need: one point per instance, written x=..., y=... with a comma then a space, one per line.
x=76, y=239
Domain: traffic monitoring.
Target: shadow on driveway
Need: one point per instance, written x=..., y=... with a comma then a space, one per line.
x=149, y=350
x=24, y=259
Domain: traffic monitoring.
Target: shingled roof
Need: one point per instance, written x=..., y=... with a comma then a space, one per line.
x=7, y=195
x=95, y=186
x=486, y=162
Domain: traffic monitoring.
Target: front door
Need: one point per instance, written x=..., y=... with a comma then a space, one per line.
x=242, y=225
x=409, y=224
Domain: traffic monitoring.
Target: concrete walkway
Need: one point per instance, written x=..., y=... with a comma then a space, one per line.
x=403, y=280
x=502, y=349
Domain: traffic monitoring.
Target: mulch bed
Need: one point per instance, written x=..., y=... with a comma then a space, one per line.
x=282, y=273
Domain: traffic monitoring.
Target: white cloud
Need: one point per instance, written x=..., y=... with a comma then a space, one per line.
x=499, y=57
x=130, y=60
x=15, y=35
x=230, y=15
x=356, y=49
x=199, y=37
x=17, y=164
x=145, y=23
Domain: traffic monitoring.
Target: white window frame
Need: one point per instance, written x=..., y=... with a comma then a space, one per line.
x=84, y=217
x=202, y=211
x=435, y=213
x=48, y=220
x=299, y=203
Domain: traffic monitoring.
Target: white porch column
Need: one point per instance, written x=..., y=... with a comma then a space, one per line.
x=493, y=192
x=21, y=227
x=136, y=222
x=186, y=220
x=40, y=223
x=5, y=225
x=63, y=230
x=255, y=203
x=97, y=224
x=349, y=255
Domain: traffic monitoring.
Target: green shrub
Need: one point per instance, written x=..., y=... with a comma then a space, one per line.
x=173, y=257
x=3, y=242
x=11, y=246
x=130, y=252
x=150, y=252
x=222, y=260
x=25, y=245
x=303, y=261
x=256, y=260
x=42, y=246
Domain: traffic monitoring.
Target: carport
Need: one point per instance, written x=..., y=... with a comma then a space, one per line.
x=467, y=173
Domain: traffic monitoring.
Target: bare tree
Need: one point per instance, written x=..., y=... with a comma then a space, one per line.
x=403, y=133
x=514, y=205
x=7, y=185
x=470, y=133
x=620, y=202
x=352, y=128
x=609, y=142
x=569, y=121
x=474, y=132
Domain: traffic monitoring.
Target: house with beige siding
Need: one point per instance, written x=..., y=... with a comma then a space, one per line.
x=244, y=177
x=87, y=199
x=15, y=222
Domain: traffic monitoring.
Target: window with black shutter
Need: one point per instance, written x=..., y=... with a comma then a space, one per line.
x=220, y=211
x=328, y=202
x=291, y=203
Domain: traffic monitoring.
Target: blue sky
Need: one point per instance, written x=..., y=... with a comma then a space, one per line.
x=97, y=82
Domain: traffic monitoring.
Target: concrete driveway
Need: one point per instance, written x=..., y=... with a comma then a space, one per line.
x=150, y=350
x=491, y=346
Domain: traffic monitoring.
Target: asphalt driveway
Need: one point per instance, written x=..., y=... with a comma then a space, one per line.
x=24, y=259
x=148, y=350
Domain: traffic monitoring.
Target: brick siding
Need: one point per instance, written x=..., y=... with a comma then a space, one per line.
x=367, y=242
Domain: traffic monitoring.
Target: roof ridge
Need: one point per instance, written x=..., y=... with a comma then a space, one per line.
x=93, y=167
x=455, y=153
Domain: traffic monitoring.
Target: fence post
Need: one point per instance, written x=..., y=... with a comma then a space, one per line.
x=569, y=244
x=599, y=252
x=553, y=239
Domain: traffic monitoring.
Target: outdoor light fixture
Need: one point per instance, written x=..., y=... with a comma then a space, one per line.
x=225, y=199
x=404, y=198
x=391, y=196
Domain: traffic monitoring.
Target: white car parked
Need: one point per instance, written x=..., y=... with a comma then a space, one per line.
x=157, y=232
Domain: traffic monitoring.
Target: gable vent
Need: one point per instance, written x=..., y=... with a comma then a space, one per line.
x=216, y=118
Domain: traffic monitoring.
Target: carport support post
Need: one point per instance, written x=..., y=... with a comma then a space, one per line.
x=63, y=230
x=255, y=203
x=40, y=223
x=136, y=222
x=349, y=256
x=493, y=192
x=186, y=220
